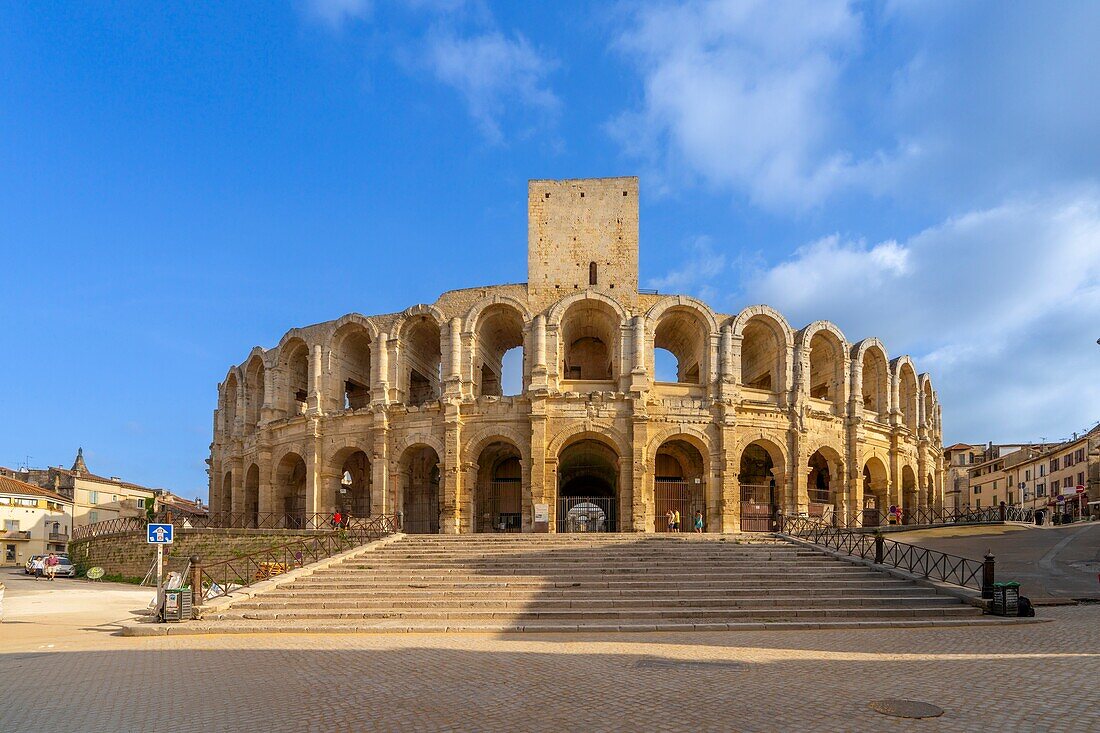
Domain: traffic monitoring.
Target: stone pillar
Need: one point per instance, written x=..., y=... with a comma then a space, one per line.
x=642, y=499
x=313, y=406
x=541, y=492
x=638, y=338
x=267, y=486
x=451, y=491
x=268, y=410
x=454, y=370
x=540, y=341
x=381, y=366
x=380, y=499
x=236, y=500
x=726, y=513
x=314, y=464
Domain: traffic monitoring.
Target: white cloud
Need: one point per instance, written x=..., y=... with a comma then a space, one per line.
x=743, y=95
x=1001, y=305
x=701, y=266
x=496, y=75
x=335, y=13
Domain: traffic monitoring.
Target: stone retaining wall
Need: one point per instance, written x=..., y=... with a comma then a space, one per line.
x=126, y=554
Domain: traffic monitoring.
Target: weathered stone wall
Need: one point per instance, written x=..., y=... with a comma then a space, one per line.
x=128, y=555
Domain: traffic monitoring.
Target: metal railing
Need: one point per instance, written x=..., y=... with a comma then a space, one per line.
x=214, y=520
x=926, y=515
x=221, y=578
x=921, y=561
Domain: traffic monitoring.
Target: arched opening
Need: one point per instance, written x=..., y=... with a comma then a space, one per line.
x=353, y=495
x=418, y=472
x=252, y=496
x=876, y=492
x=253, y=393
x=679, y=490
x=351, y=355
x=229, y=406
x=826, y=368
x=226, y=494
x=588, y=487
x=875, y=382
x=296, y=375
x=681, y=333
x=499, y=489
x=759, y=495
x=590, y=342
x=762, y=355
x=499, y=339
x=823, y=482
x=909, y=499
x=907, y=395
x=290, y=492
x=422, y=360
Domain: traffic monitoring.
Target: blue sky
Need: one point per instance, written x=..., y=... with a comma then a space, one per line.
x=181, y=182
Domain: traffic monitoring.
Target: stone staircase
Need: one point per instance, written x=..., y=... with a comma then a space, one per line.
x=588, y=583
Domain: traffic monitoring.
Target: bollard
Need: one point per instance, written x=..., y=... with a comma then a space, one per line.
x=196, y=582
x=879, y=546
x=1004, y=512
x=988, y=575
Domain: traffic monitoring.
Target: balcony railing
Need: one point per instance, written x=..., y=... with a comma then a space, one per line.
x=58, y=537
x=15, y=534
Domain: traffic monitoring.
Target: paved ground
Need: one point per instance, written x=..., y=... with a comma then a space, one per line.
x=1055, y=563
x=60, y=672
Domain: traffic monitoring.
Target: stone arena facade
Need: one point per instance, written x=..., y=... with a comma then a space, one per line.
x=404, y=413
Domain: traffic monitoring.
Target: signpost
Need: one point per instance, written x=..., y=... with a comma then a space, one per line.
x=160, y=535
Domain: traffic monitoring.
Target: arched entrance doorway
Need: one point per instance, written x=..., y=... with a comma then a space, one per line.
x=252, y=496
x=759, y=495
x=290, y=488
x=588, y=482
x=819, y=486
x=418, y=474
x=876, y=492
x=678, y=485
x=910, y=500
x=499, y=489
x=353, y=494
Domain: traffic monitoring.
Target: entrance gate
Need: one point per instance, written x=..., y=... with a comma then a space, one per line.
x=587, y=514
x=499, y=506
x=678, y=496
x=421, y=505
x=758, y=508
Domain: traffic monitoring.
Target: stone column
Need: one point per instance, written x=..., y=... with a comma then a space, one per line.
x=726, y=513
x=380, y=500
x=538, y=489
x=381, y=366
x=313, y=406
x=639, y=344
x=236, y=500
x=451, y=490
x=642, y=499
x=268, y=410
x=267, y=486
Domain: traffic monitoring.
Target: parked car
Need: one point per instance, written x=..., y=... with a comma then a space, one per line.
x=65, y=568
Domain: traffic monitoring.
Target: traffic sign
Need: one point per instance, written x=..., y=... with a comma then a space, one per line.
x=158, y=534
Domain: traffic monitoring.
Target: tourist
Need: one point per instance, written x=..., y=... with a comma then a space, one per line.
x=38, y=567
x=670, y=520
x=676, y=521
x=336, y=519
x=698, y=522
x=51, y=565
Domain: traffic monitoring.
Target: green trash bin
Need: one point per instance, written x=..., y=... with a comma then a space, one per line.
x=1006, y=598
x=177, y=604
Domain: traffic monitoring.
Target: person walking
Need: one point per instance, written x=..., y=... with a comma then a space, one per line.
x=337, y=518
x=38, y=567
x=670, y=520
x=698, y=522
x=676, y=521
x=51, y=566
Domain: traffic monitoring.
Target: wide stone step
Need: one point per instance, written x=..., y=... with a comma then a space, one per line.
x=535, y=581
x=588, y=603
x=576, y=615
x=306, y=592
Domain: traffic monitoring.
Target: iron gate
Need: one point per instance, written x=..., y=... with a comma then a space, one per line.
x=685, y=497
x=587, y=514
x=421, y=509
x=500, y=506
x=758, y=508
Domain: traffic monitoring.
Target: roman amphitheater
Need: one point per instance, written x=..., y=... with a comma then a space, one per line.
x=407, y=414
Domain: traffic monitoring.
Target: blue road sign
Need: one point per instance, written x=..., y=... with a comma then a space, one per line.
x=158, y=534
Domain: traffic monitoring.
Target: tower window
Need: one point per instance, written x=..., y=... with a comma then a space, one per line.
x=591, y=273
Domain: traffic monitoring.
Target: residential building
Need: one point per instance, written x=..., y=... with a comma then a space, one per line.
x=956, y=485
x=1063, y=477
x=34, y=521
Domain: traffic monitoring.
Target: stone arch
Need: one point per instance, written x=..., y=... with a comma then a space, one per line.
x=497, y=328
x=876, y=490
x=251, y=504
x=230, y=395
x=907, y=398
x=580, y=430
x=294, y=366
x=477, y=309
x=928, y=399
x=290, y=491
x=478, y=439
x=557, y=311
x=589, y=337
x=420, y=354
x=910, y=492
x=589, y=484
x=688, y=329
x=255, y=374
x=418, y=473
x=680, y=467
x=763, y=342
x=350, y=351
x=823, y=363
x=871, y=378
x=499, y=473
x=825, y=480
x=350, y=483
x=761, y=481
x=419, y=438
